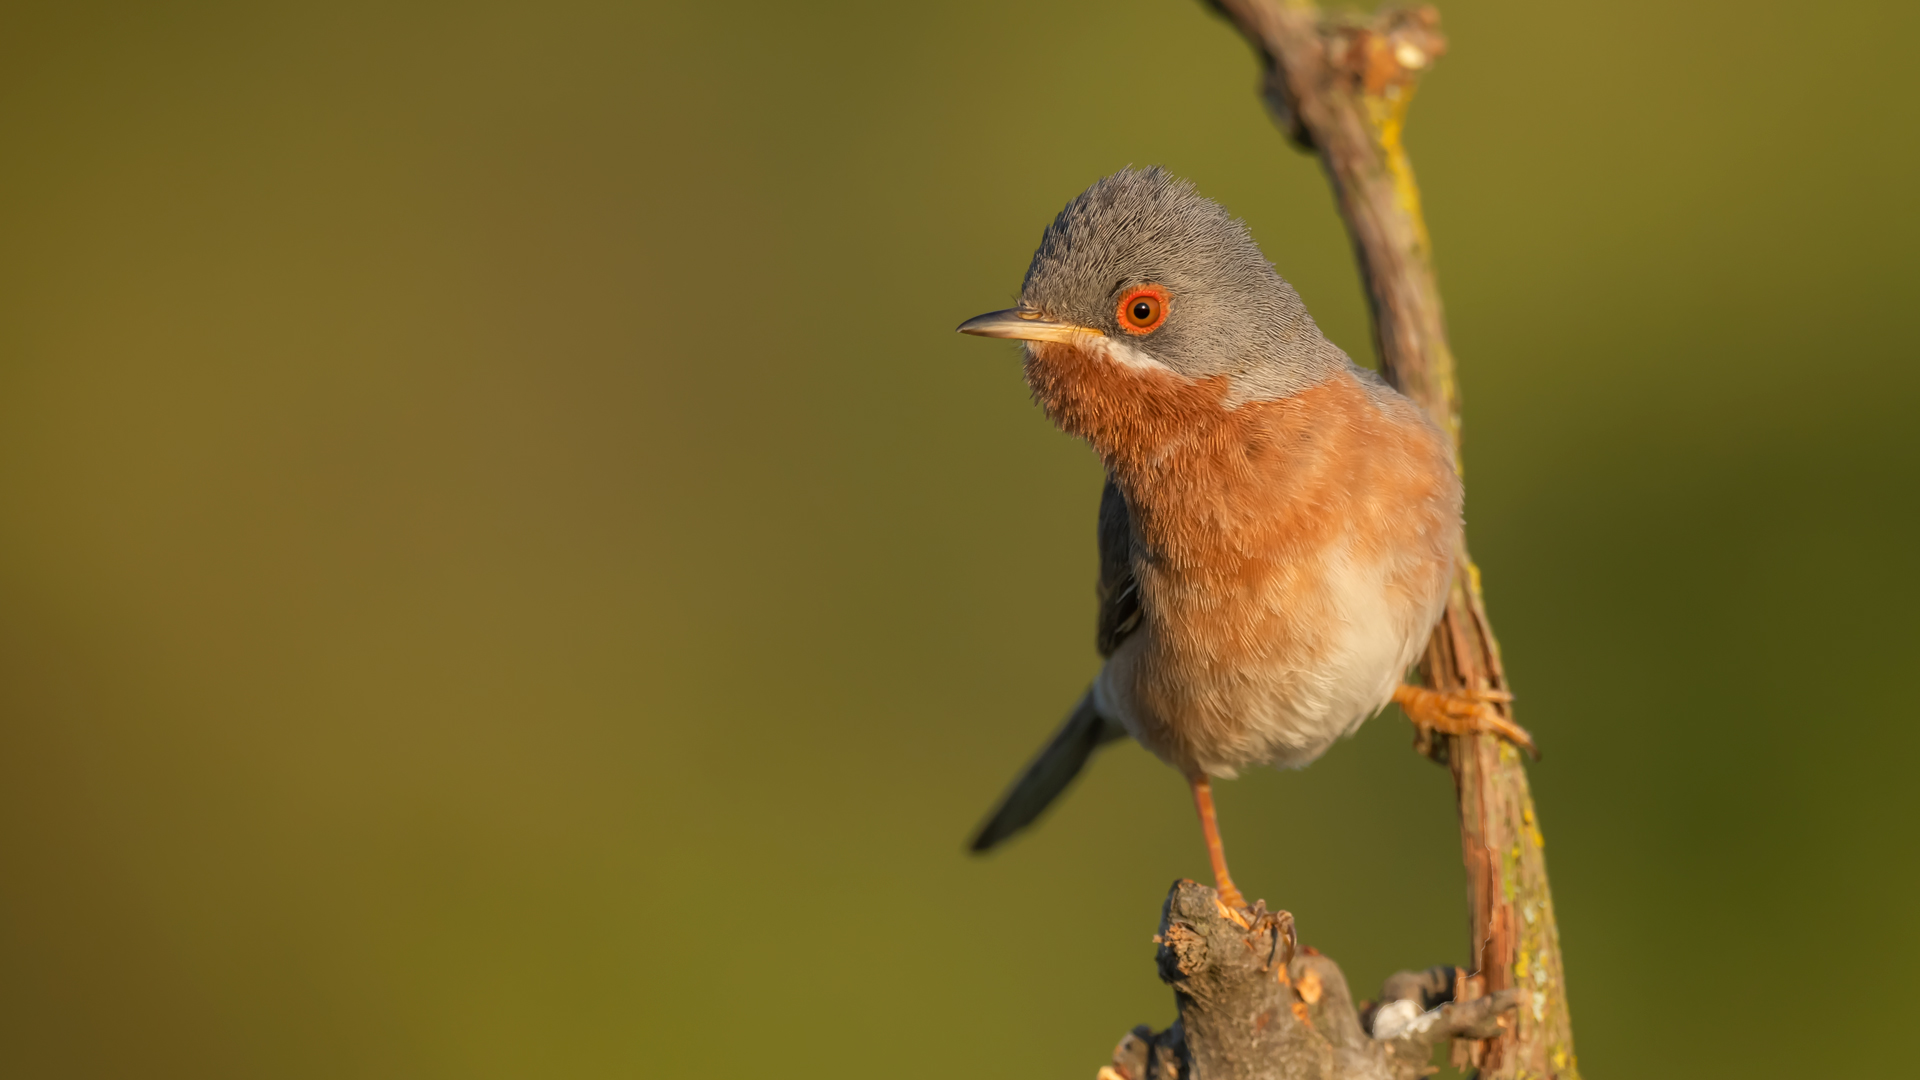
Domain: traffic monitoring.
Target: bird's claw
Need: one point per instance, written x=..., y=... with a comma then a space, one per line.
x=1462, y=712
x=1232, y=905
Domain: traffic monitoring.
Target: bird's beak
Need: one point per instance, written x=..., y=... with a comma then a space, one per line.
x=1023, y=324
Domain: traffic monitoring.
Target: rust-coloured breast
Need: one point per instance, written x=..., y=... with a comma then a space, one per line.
x=1249, y=516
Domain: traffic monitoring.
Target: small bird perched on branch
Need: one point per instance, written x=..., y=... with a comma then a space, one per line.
x=1278, y=529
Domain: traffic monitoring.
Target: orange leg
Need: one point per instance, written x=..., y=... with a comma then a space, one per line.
x=1222, y=881
x=1462, y=712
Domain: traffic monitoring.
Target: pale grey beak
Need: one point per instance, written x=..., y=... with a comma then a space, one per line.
x=1023, y=325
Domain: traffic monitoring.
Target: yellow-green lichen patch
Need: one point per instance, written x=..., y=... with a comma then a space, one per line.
x=1388, y=113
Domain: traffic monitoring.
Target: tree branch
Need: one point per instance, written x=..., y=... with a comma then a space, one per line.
x=1340, y=86
x=1256, y=1006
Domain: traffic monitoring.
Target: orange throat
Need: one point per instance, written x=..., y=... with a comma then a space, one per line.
x=1130, y=413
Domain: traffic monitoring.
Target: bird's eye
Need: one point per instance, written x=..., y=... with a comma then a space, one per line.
x=1142, y=310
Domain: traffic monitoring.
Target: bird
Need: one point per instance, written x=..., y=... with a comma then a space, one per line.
x=1278, y=529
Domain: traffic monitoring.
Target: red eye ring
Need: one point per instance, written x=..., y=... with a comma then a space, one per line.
x=1142, y=310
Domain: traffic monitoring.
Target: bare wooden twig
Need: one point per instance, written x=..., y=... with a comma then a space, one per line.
x=1251, y=1004
x=1340, y=87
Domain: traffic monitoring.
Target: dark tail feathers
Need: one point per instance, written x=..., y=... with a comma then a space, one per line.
x=1084, y=732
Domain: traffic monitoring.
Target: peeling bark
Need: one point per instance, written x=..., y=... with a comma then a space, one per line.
x=1254, y=1005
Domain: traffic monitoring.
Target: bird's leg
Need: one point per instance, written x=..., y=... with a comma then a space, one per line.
x=1222, y=881
x=1461, y=712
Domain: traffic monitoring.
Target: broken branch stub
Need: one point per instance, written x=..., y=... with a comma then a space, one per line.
x=1256, y=1006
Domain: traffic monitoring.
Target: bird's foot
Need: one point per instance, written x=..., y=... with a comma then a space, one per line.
x=1232, y=904
x=1462, y=712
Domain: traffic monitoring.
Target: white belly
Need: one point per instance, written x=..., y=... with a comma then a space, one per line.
x=1293, y=696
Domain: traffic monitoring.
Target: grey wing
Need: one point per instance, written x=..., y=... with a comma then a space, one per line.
x=1085, y=730
x=1119, y=592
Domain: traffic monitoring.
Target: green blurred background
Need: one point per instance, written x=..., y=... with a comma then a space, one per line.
x=507, y=570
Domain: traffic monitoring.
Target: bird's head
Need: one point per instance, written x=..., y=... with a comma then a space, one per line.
x=1143, y=271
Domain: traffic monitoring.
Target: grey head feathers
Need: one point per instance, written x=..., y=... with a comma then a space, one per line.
x=1228, y=313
